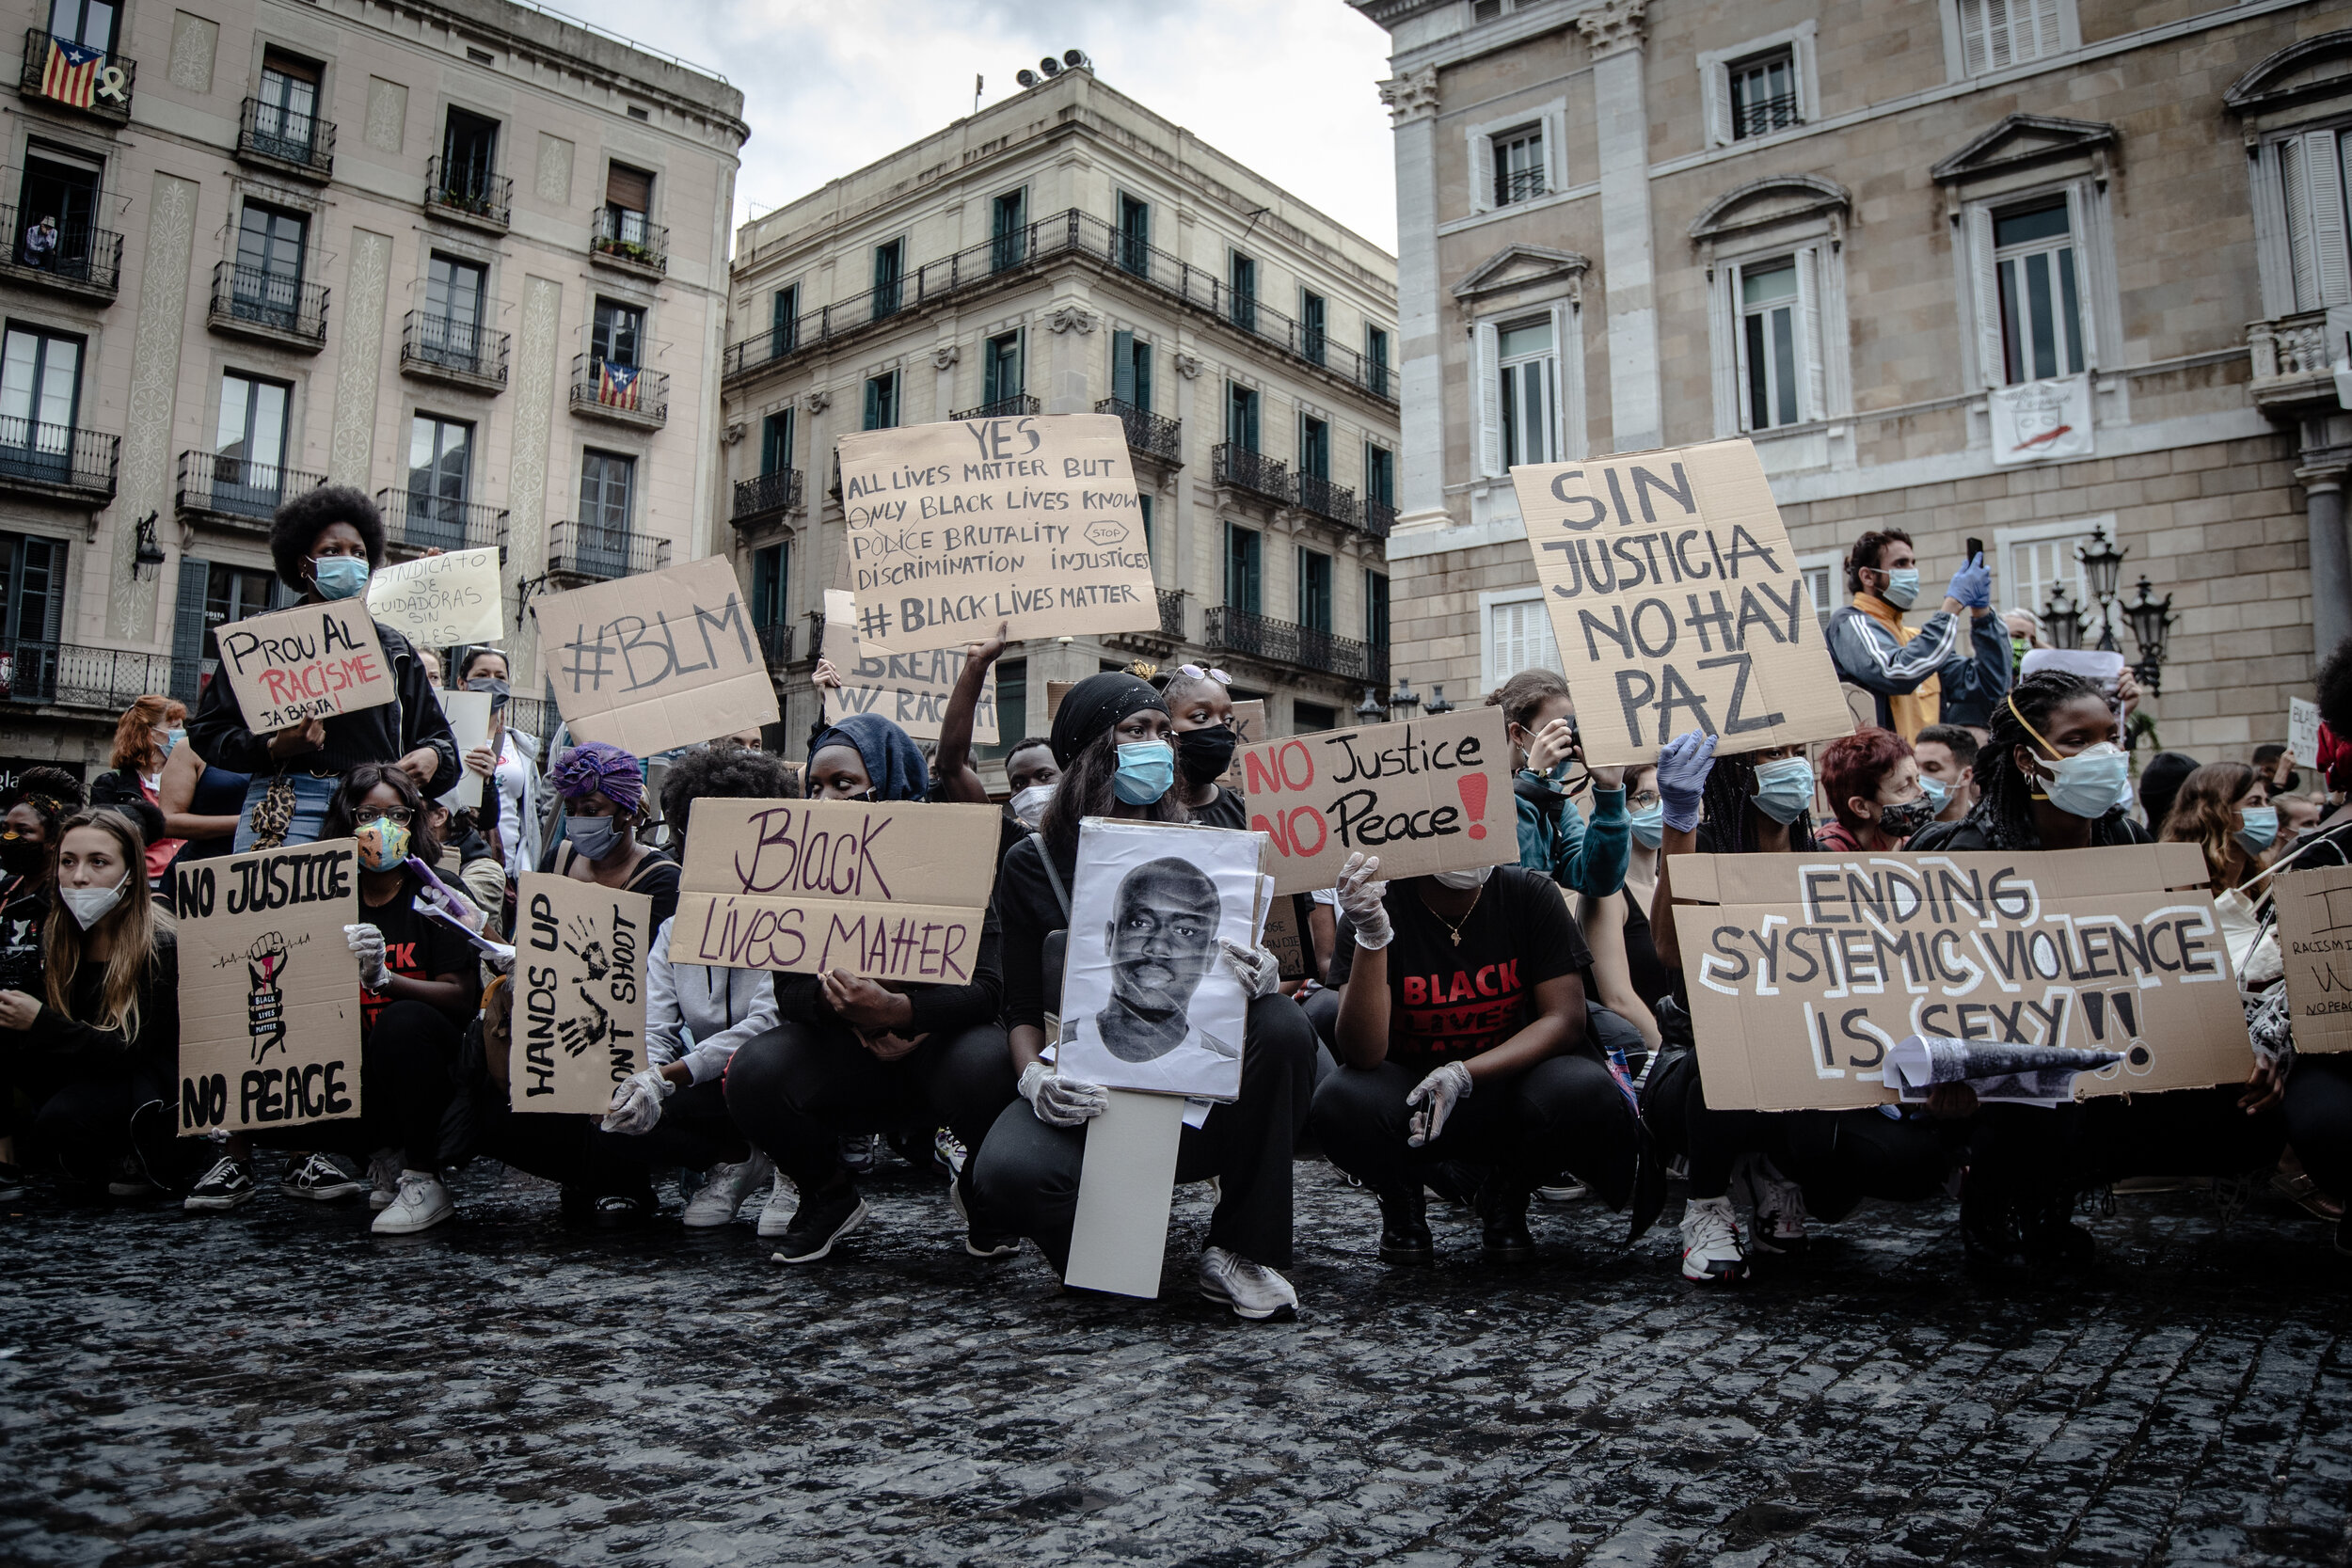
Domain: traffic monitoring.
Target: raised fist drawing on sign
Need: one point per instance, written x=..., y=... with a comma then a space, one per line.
x=585, y=944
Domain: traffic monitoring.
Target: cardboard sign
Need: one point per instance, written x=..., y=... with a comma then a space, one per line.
x=1126, y=1185
x=1677, y=603
x=654, y=662
x=2303, y=732
x=1286, y=937
x=2316, y=943
x=441, y=600
x=469, y=715
x=1249, y=729
x=269, y=992
x=953, y=528
x=894, y=891
x=909, y=689
x=1427, y=795
x=579, y=1022
x=1804, y=971
x=311, y=661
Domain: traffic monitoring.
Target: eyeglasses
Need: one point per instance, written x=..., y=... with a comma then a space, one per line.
x=1644, y=801
x=1211, y=674
x=402, y=814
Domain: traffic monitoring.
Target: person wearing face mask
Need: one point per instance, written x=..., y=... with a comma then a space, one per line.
x=1627, y=970
x=1555, y=841
x=1876, y=792
x=88, y=1060
x=1030, y=774
x=1202, y=707
x=511, y=803
x=1962, y=651
x=324, y=543
x=603, y=791
x=144, y=737
x=1113, y=739
x=1947, y=759
x=2224, y=809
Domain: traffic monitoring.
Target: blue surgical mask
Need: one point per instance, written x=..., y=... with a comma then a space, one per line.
x=1146, y=770
x=1649, y=826
x=339, y=576
x=1936, y=793
x=2091, y=783
x=1902, y=586
x=1783, y=789
x=593, y=836
x=2260, y=828
x=176, y=736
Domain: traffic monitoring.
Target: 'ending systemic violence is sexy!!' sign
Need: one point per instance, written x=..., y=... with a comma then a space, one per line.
x=311, y=661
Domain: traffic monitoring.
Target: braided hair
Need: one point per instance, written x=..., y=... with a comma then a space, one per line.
x=1723, y=827
x=2004, y=809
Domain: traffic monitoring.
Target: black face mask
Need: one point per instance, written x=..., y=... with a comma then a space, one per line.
x=21, y=856
x=1203, y=755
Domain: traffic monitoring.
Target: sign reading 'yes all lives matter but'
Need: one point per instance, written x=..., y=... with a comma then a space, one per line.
x=653, y=662
x=311, y=661
x=1677, y=603
x=954, y=528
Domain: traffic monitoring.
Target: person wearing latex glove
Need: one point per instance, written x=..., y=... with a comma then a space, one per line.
x=1258, y=970
x=1362, y=901
x=367, y=946
x=637, y=1102
x=1954, y=668
x=1434, y=1098
x=1061, y=1101
x=1683, y=765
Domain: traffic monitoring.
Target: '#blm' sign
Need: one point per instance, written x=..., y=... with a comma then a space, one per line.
x=579, y=993
x=311, y=661
x=1676, y=602
x=657, y=661
x=911, y=689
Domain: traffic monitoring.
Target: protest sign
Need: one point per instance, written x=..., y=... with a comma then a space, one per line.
x=1249, y=730
x=653, y=662
x=1427, y=795
x=310, y=661
x=579, y=993
x=909, y=689
x=2303, y=732
x=2316, y=944
x=1677, y=603
x=1286, y=936
x=1804, y=971
x=440, y=601
x=1126, y=1185
x=269, y=992
x=953, y=528
x=469, y=715
x=892, y=890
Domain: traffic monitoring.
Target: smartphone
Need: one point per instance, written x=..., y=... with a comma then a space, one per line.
x=1976, y=549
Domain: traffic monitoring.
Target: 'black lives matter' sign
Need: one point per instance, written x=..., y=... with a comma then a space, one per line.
x=1676, y=602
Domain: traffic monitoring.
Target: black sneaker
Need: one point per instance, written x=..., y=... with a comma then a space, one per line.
x=321, y=1177
x=1502, y=1208
x=824, y=1218
x=130, y=1179
x=225, y=1186
x=979, y=1240
x=857, y=1152
x=620, y=1211
x=1404, y=1228
x=11, y=1183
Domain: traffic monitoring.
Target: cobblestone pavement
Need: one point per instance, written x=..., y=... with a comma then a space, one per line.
x=272, y=1386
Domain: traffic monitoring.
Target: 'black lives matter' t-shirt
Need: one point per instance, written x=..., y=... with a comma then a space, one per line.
x=1450, y=1003
x=413, y=945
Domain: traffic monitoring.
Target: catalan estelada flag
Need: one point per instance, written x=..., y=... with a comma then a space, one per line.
x=72, y=74
x=616, y=386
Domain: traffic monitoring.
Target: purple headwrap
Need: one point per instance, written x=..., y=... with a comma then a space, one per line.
x=600, y=767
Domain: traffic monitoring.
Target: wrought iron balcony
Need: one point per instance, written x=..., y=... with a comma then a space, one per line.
x=626, y=393
x=1230, y=630
x=101, y=87
x=775, y=644
x=625, y=239
x=466, y=354
x=1153, y=435
x=593, y=552
x=768, y=496
x=1003, y=408
x=106, y=680
x=277, y=137
x=254, y=302
x=236, y=490
x=2294, y=365
x=1519, y=184
x=416, y=521
x=1172, y=614
x=69, y=258
x=1254, y=471
x=1759, y=116
x=58, y=462
x=1379, y=518
x=469, y=195
x=1334, y=502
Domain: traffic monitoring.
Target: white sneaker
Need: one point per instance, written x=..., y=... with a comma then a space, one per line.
x=1711, y=1242
x=776, y=1218
x=724, y=1188
x=1779, y=1204
x=384, y=1176
x=1251, y=1289
x=422, y=1203
x=1566, y=1190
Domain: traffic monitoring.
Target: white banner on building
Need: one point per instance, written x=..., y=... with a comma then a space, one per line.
x=2042, y=419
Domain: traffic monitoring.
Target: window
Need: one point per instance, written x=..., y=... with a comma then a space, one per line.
x=628, y=206
x=85, y=21
x=784, y=322
x=1241, y=417
x=1769, y=371
x=1311, y=322
x=1241, y=568
x=882, y=401
x=1012, y=708
x=1144, y=500
x=440, y=474
x=215, y=593
x=616, y=334
x=32, y=611
x=890, y=266
x=2312, y=191
x=249, y=445
x=1518, y=637
x=771, y=579
x=1527, y=371
x=1821, y=582
x=607, y=493
x=1307, y=718
x=1000, y=369
x=775, y=443
x=1314, y=590
x=1315, y=447
x=1008, y=231
x=1242, y=274
x=1997, y=34
x=1376, y=361
x=266, y=284
x=1131, y=370
x=1376, y=608
x=40, y=394
x=1379, y=475
x=1763, y=94
x=470, y=160
x=2033, y=259
x=66, y=190
x=1518, y=157
x=2035, y=559
x=451, y=328
x=285, y=122
x=1134, y=235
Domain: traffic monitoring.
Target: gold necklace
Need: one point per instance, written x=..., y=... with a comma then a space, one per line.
x=1453, y=927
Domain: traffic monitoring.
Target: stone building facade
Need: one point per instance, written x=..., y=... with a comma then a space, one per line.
x=1066, y=250
x=1899, y=247
x=466, y=255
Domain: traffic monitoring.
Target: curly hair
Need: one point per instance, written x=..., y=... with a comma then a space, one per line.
x=1858, y=764
x=1723, y=823
x=721, y=772
x=52, y=794
x=301, y=520
x=342, y=815
x=2205, y=813
x=1868, y=551
x=2004, y=808
x=2334, y=690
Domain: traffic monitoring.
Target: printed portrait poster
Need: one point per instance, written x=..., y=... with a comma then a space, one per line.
x=311, y=661
x=659, y=660
x=1148, y=1002
x=578, y=1029
x=909, y=689
x=1677, y=602
x=440, y=601
x=269, y=992
x=2315, y=946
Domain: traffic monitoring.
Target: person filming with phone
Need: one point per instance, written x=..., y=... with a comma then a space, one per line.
x=1961, y=654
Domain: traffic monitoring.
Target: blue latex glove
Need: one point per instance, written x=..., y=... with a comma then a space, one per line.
x=1972, y=585
x=1682, y=768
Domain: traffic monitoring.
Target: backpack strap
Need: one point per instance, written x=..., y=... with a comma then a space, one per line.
x=1052, y=877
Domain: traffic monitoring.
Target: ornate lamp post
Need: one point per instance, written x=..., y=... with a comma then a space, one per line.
x=1403, y=699
x=1438, y=704
x=2102, y=563
x=2152, y=626
x=2062, y=620
x=1372, y=710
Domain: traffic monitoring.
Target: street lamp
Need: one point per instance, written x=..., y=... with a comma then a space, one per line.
x=1438, y=704
x=2152, y=626
x=1403, y=699
x=1372, y=709
x=2062, y=620
x=150, y=554
x=2102, y=563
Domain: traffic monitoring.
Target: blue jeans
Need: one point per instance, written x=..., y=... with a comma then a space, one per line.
x=311, y=797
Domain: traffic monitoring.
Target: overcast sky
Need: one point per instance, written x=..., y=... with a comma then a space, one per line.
x=1285, y=86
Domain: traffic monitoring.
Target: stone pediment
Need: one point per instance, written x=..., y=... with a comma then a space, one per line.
x=2023, y=140
x=1518, y=267
x=1777, y=199
x=2315, y=68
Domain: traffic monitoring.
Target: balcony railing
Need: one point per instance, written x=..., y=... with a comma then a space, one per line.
x=1333, y=503
x=1074, y=233
x=1759, y=116
x=69, y=257
x=1172, y=614
x=1519, y=184
x=469, y=194
x=1239, y=631
x=2293, y=366
x=270, y=303
x=1153, y=435
x=100, y=86
x=775, y=644
x=624, y=393
x=595, y=552
x=625, y=237
x=237, y=488
x=1379, y=518
x=464, y=352
x=1003, y=408
x=107, y=679
x=1253, y=472
x=274, y=134
x=57, y=461
x=420, y=521
x=767, y=495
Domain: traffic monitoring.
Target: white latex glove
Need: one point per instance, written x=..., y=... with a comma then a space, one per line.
x=637, y=1102
x=367, y=946
x=1361, y=900
x=1258, y=971
x=1438, y=1093
x=1061, y=1101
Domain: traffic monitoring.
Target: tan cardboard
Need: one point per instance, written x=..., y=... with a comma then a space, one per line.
x=1249, y=729
x=909, y=689
x=1126, y=1185
x=1676, y=601
x=1286, y=937
x=578, y=1024
x=440, y=601
x=1803, y=971
x=2316, y=944
x=657, y=661
x=310, y=661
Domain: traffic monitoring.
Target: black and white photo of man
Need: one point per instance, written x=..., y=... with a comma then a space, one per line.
x=1162, y=939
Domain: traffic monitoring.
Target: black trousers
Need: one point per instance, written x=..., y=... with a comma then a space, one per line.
x=2180, y=1133
x=1841, y=1157
x=407, y=1078
x=1026, y=1173
x=1565, y=1113
x=82, y=1122
x=694, y=1131
x=2319, y=1121
x=795, y=1091
x=1675, y=1108
x=1323, y=1011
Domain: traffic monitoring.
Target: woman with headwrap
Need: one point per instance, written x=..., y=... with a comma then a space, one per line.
x=1112, y=738
x=603, y=791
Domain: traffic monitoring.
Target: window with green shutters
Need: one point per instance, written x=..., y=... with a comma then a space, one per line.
x=1314, y=590
x=1241, y=568
x=882, y=401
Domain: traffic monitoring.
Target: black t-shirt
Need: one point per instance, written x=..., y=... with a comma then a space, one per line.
x=418, y=947
x=24, y=913
x=1967, y=836
x=1449, y=1001
x=1652, y=981
x=1229, y=810
x=1027, y=912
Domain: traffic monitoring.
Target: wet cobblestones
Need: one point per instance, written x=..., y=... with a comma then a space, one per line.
x=272, y=1386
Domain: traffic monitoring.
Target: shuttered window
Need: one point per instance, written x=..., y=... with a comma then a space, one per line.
x=631, y=189
x=1518, y=637
x=1997, y=34
x=2311, y=186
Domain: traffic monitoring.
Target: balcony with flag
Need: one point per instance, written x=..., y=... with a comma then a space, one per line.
x=76, y=75
x=627, y=394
